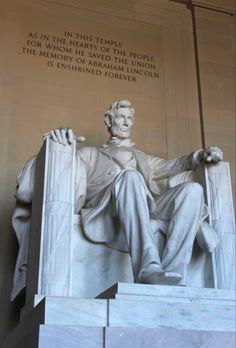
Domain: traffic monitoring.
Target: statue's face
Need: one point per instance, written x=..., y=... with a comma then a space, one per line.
x=122, y=122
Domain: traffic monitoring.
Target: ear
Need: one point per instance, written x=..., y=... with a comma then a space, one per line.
x=107, y=121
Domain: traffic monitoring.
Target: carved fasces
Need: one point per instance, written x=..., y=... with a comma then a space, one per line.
x=55, y=209
x=221, y=218
x=58, y=220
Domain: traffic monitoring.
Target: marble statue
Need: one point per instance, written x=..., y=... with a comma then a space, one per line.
x=122, y=194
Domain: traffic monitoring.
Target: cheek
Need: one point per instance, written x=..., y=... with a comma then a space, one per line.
x=117, y=123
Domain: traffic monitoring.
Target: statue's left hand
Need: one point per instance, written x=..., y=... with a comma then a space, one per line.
x=211, y=155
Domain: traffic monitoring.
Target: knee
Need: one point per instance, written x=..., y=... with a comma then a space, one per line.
x=131, y=176
x=193, y=190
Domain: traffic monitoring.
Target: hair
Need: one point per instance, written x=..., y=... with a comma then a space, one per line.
x=114, y=107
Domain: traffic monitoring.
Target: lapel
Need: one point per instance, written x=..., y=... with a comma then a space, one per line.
x=141, y=159
x=142, y=165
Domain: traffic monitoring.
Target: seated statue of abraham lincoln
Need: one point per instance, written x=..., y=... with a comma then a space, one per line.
x=128, y=192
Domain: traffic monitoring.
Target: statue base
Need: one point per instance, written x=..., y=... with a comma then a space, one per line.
x=132, y=315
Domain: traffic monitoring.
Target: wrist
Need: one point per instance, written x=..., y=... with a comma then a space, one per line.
x=198, y=157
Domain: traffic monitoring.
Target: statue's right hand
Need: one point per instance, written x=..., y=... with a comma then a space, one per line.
x=63, y=136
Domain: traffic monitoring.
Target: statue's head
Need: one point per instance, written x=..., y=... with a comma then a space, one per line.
x=119, y=119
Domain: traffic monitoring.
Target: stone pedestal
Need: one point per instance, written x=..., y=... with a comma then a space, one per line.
x=131, y=315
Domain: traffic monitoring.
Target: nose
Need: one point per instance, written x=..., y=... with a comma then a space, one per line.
x=126, y=121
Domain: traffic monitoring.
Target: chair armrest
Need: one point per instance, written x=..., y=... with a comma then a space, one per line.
x=218, y=194
x=52, y=221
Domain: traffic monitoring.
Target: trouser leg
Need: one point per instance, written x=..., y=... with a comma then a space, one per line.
x=131, y=204
x=182, y=206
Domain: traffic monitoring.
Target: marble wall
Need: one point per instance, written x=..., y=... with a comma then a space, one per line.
x=216, y=50
x=39, y=93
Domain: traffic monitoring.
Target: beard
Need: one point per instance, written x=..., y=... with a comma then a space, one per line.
x=119, y=132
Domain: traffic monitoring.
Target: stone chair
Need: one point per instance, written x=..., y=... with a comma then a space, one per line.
x=62, y=262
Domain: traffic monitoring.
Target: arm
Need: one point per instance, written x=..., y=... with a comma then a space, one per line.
x=162, y=171
x=166, y=168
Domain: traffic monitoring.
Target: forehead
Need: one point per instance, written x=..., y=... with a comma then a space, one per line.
x=124, y=112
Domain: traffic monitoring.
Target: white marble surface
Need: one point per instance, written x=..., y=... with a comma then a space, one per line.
x=221, y=217
x=54, y=336
x=96, y=267
x=160, y=338
x=157, y=306
x=160, y=314
x=158, y=292
x=174, y=299
x=151, y=306
x=57, y=221
x=74, y=311
x=143, y=307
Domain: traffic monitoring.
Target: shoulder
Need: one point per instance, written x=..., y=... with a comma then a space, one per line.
x=87, y=151
x=91, y=156
x=142, y=155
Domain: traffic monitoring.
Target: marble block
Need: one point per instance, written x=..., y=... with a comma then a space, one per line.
x=61, y=336
x=127, y=291
x=55, y=336
x=156, y=338
x=61, y=311
x=159, y=314
x=74, y=311
x=158, y=306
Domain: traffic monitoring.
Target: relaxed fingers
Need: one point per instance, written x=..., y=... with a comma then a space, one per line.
x=53, y=136
x=70, y=135
x=58, y=135
x=63, y=136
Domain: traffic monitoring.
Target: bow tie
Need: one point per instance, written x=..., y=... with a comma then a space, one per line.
x=119, y=142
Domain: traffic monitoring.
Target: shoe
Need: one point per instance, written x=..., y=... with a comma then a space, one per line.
x=163, y=278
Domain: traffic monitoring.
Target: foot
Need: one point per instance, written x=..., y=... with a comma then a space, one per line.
x=163, y=278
